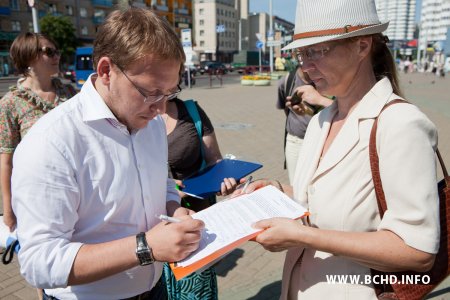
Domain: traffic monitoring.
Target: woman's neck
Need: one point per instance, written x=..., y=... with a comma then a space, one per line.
x=38, y=83
x=362, y=83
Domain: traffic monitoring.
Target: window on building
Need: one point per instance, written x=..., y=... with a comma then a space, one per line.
x=98, y=13
x=175, y=4
x=69, y=10
x=202, y=43
x=84, y=30
x=51, y=8
x=201, y=11
x=83, y=12
x=15, y=25
x=14, y=4
x=30, y=27
x=202, y=22
x=202, y=32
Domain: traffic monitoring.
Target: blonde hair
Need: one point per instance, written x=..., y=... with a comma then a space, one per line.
x=131, y=34
x=383, y=63
x=25, y=49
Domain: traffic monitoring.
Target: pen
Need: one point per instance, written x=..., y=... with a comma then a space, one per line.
x=247, y=182
x=169, y=219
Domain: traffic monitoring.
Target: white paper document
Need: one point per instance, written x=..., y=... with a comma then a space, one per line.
x=229, y=221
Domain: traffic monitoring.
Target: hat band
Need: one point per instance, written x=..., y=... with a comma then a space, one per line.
x=343, y=30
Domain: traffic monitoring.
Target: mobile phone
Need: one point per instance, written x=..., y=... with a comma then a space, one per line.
x=296, y=99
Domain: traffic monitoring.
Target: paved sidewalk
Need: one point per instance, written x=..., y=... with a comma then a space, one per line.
x=249, y=127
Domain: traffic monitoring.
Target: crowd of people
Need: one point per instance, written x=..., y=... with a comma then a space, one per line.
x=82, y=185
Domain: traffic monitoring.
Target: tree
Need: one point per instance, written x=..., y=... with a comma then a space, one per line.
x=62, y=31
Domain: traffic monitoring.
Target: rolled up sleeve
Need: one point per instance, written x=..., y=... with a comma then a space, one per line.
x=45, y=200
x=406, y=143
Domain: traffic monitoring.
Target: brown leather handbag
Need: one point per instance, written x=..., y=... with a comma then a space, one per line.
x=441, y=267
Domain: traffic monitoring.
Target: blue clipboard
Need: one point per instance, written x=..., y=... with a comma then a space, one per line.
x=208, y=181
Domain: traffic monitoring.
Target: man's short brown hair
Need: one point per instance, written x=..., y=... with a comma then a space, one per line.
x=131, y=34
x=25, y=49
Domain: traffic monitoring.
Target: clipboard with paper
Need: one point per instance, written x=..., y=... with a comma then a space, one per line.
x=228, y=225
x=207, y=181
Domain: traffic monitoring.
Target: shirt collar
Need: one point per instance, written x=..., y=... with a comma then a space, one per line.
x=94, y=107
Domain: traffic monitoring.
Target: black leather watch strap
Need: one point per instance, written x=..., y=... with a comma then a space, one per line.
x=143, y=251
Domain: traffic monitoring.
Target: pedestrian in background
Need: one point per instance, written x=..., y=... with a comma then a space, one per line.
x=347, y=56
x=36, y=58
x=90, y=180
x=297, y=119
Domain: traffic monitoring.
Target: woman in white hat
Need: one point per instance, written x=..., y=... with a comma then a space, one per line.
x=342, y=50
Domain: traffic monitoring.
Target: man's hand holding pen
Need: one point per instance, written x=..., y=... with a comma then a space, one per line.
x=175, y=242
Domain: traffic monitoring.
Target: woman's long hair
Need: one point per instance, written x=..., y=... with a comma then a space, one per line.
x=383, y=62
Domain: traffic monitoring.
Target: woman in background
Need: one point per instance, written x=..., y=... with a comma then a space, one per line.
x=36, y=58
x=190, y=150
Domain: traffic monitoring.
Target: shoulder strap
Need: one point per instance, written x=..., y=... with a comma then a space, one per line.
x=375, y=166
x=191, y=107
x=289, y=83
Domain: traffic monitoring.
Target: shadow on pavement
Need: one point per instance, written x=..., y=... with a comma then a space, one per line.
x=269, y=292
x=440, y=292
x=229, y=262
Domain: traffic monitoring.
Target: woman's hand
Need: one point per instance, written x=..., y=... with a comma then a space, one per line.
x=281, y=233
x=227, y=186
x=182, y=211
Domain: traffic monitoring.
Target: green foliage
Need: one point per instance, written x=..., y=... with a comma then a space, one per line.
x=62, y=31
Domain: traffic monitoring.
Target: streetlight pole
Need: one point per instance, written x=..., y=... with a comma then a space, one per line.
x=34, y=13
x=271, y=32
x=419, y=65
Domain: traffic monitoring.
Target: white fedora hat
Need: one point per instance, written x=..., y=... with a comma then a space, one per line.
x=318, y=21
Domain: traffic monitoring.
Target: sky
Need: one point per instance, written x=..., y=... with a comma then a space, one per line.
x=286, y=8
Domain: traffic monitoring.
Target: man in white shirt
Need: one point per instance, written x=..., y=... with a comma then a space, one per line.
x=91, y=176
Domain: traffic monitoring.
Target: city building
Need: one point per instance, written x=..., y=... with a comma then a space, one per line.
x=177, y=12
x=85, y=15
x=216, y=29
x=434, y=27
x=401, y=14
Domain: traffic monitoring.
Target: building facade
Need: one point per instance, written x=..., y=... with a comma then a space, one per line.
x=216, y=29
x=401, y=14
x=434, y=26
x=85, y=15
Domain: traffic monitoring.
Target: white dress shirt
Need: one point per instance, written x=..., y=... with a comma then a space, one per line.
x=78, y=178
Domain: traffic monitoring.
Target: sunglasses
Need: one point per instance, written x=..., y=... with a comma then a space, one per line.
x=50, y=52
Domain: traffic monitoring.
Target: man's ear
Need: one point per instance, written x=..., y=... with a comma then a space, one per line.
x=104, y=67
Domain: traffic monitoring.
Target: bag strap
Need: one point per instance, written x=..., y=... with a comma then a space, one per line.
x=289, y=83
x=191, y=107
x=375, y=166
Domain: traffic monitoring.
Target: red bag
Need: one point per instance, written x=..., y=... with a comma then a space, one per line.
x=441, y=267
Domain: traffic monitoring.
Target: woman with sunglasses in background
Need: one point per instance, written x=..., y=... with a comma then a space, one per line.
x=342, y=49
x=36, y=57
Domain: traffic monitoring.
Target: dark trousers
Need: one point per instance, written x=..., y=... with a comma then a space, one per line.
x=158, y=292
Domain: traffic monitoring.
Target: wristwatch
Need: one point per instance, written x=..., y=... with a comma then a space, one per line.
x=143, y=251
